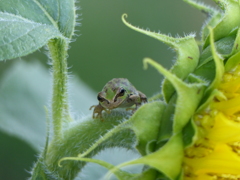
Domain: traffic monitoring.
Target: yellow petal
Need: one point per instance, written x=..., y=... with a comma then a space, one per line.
x=221, y=161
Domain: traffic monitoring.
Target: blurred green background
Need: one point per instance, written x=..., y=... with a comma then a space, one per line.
x=104, y=48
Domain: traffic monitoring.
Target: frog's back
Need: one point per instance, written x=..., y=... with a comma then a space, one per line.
x=120, y=82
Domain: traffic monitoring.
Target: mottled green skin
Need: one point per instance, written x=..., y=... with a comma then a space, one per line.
x=111, y=96
x=111, y=88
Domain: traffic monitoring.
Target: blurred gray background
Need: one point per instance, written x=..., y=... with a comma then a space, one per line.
x=104, y=48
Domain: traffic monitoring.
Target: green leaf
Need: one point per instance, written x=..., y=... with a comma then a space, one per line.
x=19, y=37
x=24, y=91
x=32, y=23
x=23, y=94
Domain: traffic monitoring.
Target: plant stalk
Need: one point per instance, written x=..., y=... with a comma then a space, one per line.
x=60, y=109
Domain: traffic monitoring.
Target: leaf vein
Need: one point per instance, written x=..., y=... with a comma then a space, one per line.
x=17, y=19
x=18, y=37
x=46, y=13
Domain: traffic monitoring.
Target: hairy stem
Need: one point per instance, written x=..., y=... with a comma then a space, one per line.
x=60, y=109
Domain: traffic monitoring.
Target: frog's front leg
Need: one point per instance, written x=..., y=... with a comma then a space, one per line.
x=137, y=99
x=143, y=97
x=97, y=110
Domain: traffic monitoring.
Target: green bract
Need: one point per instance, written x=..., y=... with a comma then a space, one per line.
x=159, y=130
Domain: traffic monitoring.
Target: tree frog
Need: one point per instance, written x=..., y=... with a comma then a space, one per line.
x=118, y=92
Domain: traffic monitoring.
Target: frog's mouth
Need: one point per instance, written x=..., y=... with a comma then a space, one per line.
x=119, y=101
x=115, y=103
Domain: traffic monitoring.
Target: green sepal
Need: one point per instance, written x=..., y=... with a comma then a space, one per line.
x=212, y=70
x=166, y=128
x=232, y=62
x=181, y=106
x=219, y=66
x=235, y=47
x=206, y=72
x=192, y=78
x=213, y=14
x=188, y=96
x=215, y=93
x=146, y=125
x=224, y=46
x=191, y=132
x=186, y=62
x=229, y=22
x=227, y=47
x=234, y=59
x=167, y=159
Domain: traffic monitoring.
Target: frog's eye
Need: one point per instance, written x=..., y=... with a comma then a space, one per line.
x=122, y=92
x=100, y=98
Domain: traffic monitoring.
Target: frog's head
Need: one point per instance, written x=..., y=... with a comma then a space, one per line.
x=112, y=99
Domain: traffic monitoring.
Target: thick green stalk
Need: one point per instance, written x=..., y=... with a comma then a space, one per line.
x=60, y=109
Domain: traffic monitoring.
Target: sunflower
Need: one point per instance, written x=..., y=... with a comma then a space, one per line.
x=215, y=153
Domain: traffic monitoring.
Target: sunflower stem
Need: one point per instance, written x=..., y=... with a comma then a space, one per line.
x=60, y=109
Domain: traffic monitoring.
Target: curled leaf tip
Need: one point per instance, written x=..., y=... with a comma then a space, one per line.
x=64, y=159
x=145, y=63
x=124, y=16
x=59, y=162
